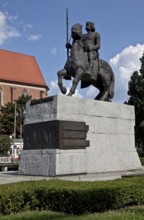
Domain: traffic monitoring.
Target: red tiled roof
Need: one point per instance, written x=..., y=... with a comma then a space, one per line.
x=20, y=68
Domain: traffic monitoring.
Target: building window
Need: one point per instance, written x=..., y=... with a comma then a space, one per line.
x=1, y=98
x=41, y=94
x=12, y=93
x=24, y=92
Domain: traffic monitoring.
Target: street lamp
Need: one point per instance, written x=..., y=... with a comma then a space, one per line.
x=18, y=112
x=21, y=114
x=14, y=139
x=20, y=128
x=15, y=123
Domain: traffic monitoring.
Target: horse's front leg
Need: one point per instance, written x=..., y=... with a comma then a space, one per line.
x=78, y=77
x=60, y=74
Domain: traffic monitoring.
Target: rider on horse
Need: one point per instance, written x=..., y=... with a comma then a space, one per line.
x=77, y=65
x=91, y=44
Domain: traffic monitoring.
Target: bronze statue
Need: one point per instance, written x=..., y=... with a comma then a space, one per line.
x=91, y=44
x=84, y=64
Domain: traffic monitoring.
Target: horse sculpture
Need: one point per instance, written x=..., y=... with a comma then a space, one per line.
x=77, y=66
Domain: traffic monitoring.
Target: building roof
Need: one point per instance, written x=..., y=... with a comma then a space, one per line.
x=20, y=68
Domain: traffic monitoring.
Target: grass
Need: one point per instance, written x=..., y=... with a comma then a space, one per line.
x=131, y=213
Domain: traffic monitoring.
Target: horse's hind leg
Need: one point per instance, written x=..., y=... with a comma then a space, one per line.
x=60, y=74
x=111, y=90
x=102, y=96
x=76, y=81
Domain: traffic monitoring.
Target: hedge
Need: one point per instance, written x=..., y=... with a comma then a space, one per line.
x=71, y=197
x=142, y=160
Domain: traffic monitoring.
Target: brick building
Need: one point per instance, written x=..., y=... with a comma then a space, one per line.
x=20, y=74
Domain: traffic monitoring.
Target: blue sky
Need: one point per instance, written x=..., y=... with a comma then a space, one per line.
x=38, y=28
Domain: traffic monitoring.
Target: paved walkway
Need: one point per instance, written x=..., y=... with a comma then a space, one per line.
x=13, y=176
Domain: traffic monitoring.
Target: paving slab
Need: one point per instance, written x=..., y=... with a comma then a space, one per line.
x=14, y=176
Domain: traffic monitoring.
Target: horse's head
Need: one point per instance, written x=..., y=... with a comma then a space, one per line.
x=76, y=31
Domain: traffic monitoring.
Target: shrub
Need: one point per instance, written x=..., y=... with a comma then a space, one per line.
x=5, y=143
x=71, y=197
x=142, y=160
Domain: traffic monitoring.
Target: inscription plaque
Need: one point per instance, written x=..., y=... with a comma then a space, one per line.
x=56, y=135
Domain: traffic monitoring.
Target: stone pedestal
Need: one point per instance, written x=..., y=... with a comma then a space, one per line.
x=110, y=134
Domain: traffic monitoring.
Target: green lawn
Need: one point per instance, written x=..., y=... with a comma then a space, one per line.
x=132, y=213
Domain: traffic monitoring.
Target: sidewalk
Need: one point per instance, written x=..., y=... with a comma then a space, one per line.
x=13, y=176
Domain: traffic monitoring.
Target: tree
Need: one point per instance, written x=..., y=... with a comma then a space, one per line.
x=5, y=143
x=23, y=99
x=8, y=113
x=7, y=119
x=136, y=98
x=20, y=111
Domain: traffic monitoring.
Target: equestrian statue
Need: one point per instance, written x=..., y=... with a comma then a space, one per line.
x=84, y=64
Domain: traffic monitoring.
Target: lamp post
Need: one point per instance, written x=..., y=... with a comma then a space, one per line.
x=15, y=123
x=21, y=115
x=18, y=114
x=14, y=146
x=20, y=128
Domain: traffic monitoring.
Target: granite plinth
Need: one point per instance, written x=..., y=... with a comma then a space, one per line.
x=111, y=136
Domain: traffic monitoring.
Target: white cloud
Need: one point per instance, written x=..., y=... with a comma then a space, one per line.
x=28, y=26
x=34, y=37
x=91, y=92
x=57, y=51
x=123, y=65
x=54, y=51
x=54, y=84
x=7, y=30
x=54, y=89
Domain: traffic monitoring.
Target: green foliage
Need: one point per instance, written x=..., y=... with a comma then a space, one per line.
x=23, y=99
x=71, y=197
x=7, y=115
x=7, y=119
x=136, y=93
x=142, y=160
x=5, y=144
x=21, y=104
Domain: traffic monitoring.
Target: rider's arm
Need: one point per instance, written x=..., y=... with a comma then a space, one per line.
x=97, y=41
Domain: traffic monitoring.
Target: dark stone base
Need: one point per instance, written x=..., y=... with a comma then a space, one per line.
x=56, y=135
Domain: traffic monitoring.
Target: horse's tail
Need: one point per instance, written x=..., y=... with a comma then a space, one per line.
x=105, y=65
x=111, y=91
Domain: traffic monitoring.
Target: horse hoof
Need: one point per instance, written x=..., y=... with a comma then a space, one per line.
x=69, y=94
x=64, y=90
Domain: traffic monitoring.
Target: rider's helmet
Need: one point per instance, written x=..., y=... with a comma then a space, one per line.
x=90, y=26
